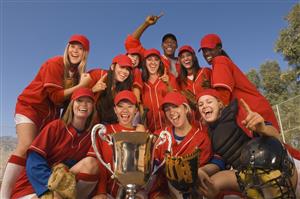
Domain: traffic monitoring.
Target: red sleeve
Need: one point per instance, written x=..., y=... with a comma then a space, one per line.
x=173, y=82
x=295, y=153
x=52, y=73
x=52, y=77
x=206, y=149
x=132, y=42
x=56, y=95
x=207, y=73
x=103, y=180
x=137, y=78
x=225, y=95
x=222, y=74
x=46, y=138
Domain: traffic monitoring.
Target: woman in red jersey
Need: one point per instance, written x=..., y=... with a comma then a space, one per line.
x=186, y=140
x=230, y=81
x=192, y=78
x=65, y=140
x=168, y=44
x=106, y=84
x=157, y=83
x=125, y=107
x=41, y=100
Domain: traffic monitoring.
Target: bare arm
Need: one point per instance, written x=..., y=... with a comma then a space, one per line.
x=150, y=20
x=84, y=81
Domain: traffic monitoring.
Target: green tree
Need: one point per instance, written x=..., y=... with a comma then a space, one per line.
x=253, y=76
x=289, y=77
x=288, y=43
x=272, y=85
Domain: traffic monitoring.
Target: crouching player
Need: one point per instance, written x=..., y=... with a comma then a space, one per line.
x=231, y=128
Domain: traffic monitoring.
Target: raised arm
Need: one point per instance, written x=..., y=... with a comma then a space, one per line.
x=150, y=20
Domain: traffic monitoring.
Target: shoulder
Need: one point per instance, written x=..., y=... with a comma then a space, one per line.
x=221, y=59
x=206, y=69
x=97, y=72
x=56, y=60
x=56, y=124
x=54, y=64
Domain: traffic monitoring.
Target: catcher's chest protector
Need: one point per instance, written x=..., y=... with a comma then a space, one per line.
x=227, y=137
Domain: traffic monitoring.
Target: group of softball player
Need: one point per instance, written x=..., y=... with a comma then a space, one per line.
x=213, y=109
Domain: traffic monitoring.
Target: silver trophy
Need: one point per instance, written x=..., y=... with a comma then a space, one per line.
x=133, y=156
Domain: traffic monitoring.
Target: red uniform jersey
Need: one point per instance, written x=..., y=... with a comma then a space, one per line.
x=56, y=143
x=195, y=138
x=152, y=96
x=226, y=74
x=132, y=42
x=41, y=99
x=137, y=78
x=107, y=184
x=196, y=86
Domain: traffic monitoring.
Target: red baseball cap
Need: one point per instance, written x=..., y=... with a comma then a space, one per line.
x=210, y=41
x=82, y=40
x=151, y=51
x=209, y=91
x=82, y=92
x=134, y=51
x=125, y=95
x=122, y=60
x=175, y=98
x=186, y=48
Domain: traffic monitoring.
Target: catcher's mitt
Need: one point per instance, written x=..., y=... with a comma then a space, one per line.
x=47, y=195
x=62, y=181
x=182, y=171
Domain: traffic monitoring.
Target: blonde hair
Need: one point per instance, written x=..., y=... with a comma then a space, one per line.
x=69, y=115
x=67, y=63
x=189, y=114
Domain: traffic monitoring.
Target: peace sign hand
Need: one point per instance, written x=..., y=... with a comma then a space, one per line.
x=152, y=19
x=253, y=121
x=100, y=85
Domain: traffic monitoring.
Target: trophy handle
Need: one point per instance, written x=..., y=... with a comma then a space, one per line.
x=163, y=137
x=104, y=137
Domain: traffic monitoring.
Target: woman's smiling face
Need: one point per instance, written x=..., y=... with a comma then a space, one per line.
x=125, y=112
x=121, y=73
x=210, y=108
x=152, y=64
x=177, y=115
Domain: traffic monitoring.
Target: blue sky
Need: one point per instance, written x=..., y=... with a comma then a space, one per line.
x=33, y=31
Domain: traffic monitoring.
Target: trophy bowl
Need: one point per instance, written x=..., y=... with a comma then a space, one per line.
x=133, y=157
x=133, y=154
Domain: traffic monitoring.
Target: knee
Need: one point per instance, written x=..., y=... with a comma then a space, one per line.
x=88, y=165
